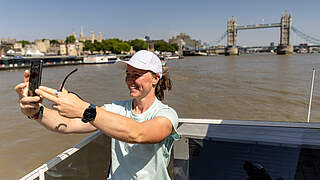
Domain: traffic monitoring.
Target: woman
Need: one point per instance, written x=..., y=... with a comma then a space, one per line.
x=143, y=129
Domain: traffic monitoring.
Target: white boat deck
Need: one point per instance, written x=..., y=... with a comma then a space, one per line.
x=285, y=137
x=257, y=132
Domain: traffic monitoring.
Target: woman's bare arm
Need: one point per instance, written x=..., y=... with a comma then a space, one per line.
x=54, y=122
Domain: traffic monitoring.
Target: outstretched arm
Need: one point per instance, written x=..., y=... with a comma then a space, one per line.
x=55, y=122
x=128, y=130
x=111, y=124
x=50, y=119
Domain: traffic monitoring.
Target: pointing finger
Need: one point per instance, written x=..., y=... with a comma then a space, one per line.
x=48, y=90
x=47, y=95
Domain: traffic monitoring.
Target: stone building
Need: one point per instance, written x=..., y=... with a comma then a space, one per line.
x=74, y=35
x=99, y=38
x=79, y=47
x=17, y=45
x=92, y=37
x=53, y=50
x=7, y=40
x=5, y=47
x=63, y=49
x=71, y=50
x=184, y=40
x=42, y=45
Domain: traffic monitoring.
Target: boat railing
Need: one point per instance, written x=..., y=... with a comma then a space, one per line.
x=294, y=135
x=40, y=171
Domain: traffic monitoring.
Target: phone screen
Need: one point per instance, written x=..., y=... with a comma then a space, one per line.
x=35, y=76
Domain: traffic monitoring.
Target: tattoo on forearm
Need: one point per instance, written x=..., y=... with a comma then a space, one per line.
x=60, y=125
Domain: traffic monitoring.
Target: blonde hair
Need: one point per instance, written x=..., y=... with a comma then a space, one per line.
x=164, y=83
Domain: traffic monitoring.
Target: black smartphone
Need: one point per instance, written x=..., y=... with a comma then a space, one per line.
x=35, y=76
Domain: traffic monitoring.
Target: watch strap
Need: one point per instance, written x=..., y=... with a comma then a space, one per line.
x=38, y=115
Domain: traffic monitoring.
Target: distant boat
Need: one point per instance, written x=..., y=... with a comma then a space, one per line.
x=100, y=59
x=172, y=57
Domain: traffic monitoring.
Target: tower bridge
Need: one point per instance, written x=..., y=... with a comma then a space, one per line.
x=257, y=26
x=285, y=26
x=231, y=34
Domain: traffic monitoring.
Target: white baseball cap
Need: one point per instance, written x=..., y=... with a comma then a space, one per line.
x=145, y=60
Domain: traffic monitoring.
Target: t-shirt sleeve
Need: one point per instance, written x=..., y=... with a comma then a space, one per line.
x=171, y=114
x=108, y=107
x=118, y=107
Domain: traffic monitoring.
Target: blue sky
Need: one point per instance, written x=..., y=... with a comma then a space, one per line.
x=201, y=19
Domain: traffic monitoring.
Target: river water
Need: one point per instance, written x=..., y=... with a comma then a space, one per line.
x=253, y=87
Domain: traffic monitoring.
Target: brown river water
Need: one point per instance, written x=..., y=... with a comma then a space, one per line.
x=254, y=87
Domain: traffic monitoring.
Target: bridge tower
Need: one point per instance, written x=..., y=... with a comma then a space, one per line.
x=284, y=46
x=232, y=38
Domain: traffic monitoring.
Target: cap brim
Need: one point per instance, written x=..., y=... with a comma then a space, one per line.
x=121, y=64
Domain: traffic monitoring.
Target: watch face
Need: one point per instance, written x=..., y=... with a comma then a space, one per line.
x=89, y=114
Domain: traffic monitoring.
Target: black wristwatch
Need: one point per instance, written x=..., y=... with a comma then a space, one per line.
x=89, y=114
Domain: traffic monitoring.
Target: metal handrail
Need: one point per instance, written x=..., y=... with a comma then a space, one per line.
x=252, y=123
x=39, y=172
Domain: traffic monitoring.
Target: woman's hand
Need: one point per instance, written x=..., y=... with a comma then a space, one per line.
x=29, y=105
x=67, y=104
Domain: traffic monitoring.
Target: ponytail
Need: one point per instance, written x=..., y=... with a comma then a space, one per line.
x=164, y=83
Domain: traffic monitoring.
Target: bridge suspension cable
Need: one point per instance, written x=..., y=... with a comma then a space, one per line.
x=304, y=36
x=218, y=40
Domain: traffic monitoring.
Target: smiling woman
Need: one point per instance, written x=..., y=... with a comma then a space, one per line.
x=143, y=128
x=139, y=82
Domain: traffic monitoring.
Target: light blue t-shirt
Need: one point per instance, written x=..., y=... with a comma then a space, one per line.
x=142, y=161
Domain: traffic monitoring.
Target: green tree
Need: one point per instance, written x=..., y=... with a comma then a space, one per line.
x=54, y=42
x=107, y=45
x=115, y=45
x=125, y=46
x=161, y=46
x=174, y=47
x=97, y=45
x=138, y=44
x=88, y=46
x=70, y=39
x=165, y=47
x=23, y=42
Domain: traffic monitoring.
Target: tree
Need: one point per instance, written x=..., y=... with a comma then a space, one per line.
x=125, y=46
x=107, y=45
x=165, y=47
x=161, y=46
x=138, y=44
x=174, y=47
x=23, y=42
x=115, y=45
x=54, y=42
x=97, y=45
x=70, y=39
x=88, y=46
